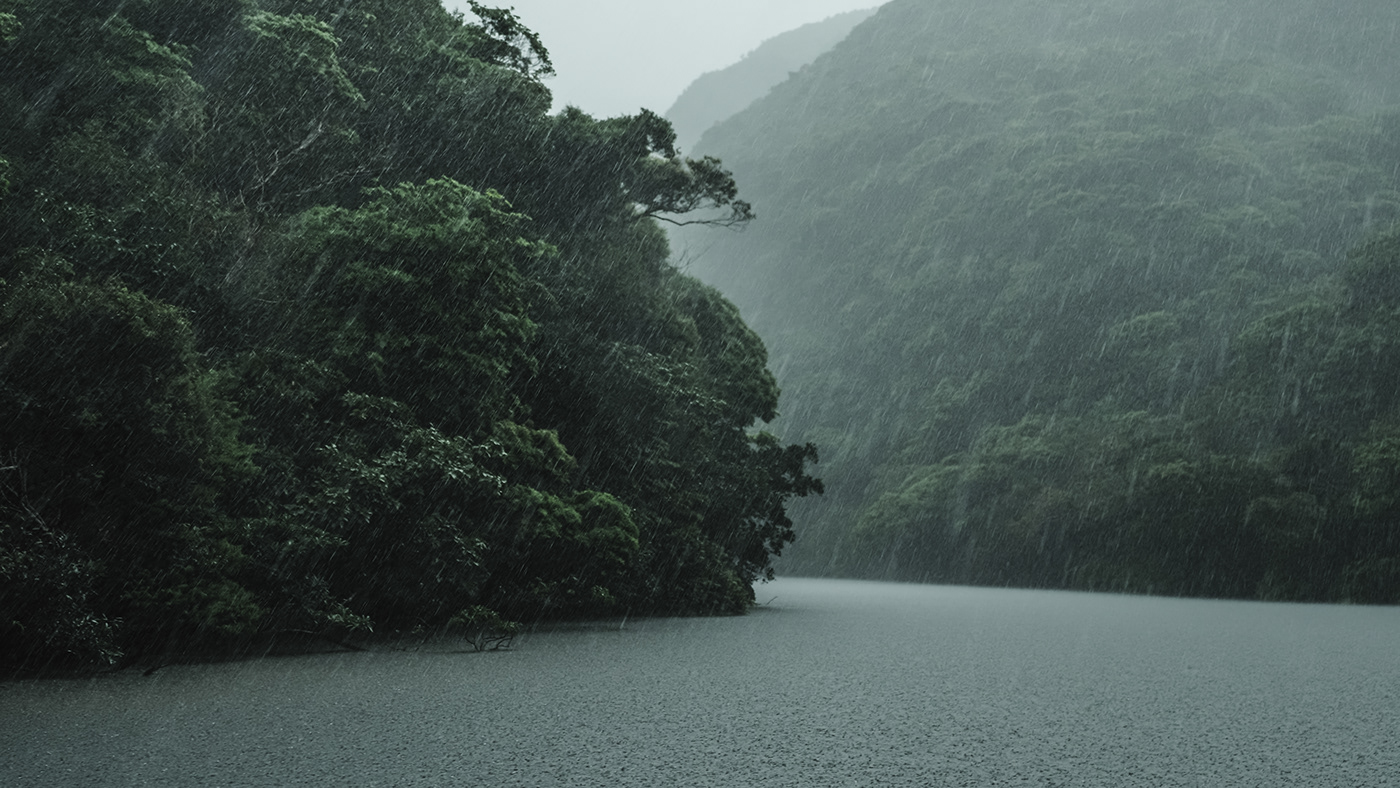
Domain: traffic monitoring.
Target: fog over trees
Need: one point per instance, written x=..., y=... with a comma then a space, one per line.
x=1093, y=295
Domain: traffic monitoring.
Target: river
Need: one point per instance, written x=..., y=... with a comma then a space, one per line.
x=827, y=683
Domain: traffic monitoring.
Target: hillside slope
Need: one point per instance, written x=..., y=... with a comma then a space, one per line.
x=717, y=95
x=1089, y=294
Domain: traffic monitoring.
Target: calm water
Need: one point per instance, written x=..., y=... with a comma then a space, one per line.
x=831, y=683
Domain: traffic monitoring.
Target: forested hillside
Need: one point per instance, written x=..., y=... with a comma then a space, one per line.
x=1100, y=294
x=313, y=320
x=719, y=94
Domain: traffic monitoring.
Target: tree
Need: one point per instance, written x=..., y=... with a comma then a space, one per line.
x=280, y=113
x=666, y=188
x=283, y=350
x=118, y=444
x=416, y=296
x=505, y=41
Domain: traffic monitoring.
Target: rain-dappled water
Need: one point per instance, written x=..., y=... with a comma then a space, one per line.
x=830, y=683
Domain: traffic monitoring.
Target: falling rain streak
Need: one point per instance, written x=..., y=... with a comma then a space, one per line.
x=321, y=329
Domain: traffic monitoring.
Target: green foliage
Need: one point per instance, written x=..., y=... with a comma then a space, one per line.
x=109, y=73
x=484, y=628
x=118, y=444
x=417, y=296
x=1376, y=464
x=504, y=41
x=47, y=609
x=1001, y=238
x=280, y=111
x=661, y=405
x=567, y=555
x=408, y=506
x=681, y=186
x=9, y=25
x=1371, y=274
x=282, y=349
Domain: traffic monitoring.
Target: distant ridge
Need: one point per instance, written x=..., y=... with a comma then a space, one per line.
x=717, y=95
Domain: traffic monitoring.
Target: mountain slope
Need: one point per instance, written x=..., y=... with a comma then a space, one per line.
x=1064, y=291
x=719, y=94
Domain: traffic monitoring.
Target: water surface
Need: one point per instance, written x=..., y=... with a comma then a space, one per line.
x=830, y=683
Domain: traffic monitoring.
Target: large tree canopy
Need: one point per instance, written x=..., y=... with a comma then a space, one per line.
x=312, y=319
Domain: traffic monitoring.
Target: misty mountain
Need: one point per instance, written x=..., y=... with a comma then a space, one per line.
x=1095, y=295
x=719, y=94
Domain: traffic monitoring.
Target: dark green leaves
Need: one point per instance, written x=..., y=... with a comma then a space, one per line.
x=418, y=296
x=505, y=41
x=277, y=355
x=118, y=444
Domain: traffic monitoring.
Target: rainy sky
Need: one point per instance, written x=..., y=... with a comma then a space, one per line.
x=615, y=56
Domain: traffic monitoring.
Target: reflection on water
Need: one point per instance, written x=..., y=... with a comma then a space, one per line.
x=829, y=683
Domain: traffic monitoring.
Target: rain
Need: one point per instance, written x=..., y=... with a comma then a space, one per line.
x=838, y=393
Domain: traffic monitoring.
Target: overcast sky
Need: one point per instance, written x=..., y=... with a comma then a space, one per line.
x=616, y=56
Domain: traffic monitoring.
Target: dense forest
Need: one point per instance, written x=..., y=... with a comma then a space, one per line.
x=1092, y=294
x=313, y=319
